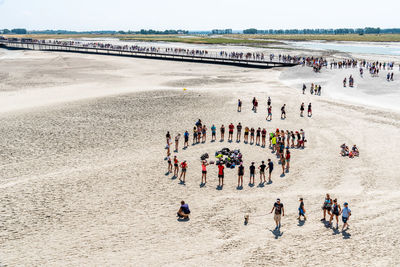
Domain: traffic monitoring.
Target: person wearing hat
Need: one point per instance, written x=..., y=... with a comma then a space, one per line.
x=279, y=211
x=346, y=213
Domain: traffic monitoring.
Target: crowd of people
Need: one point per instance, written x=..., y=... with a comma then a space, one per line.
x=330, y=207
x=314, y=89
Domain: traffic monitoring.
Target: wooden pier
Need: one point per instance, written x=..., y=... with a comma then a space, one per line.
x=246, y=63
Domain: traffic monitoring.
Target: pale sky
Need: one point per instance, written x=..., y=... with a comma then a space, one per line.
x=197, y=14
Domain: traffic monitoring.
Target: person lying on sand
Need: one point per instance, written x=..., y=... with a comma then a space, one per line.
x=183, y=211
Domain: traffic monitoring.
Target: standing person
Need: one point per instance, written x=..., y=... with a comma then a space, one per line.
x=269, y=113
x=346, y=213
x=186, y=137
x=255, y=106
x=303, y=137
x=283, y=112
x=240, y=175
x=304, y=88
x=177, y=142
x=262, y=171
x=270, y=169
x=327, y=206
x=239, y=106
x=168, y=137
x=279, y=211
x=336, y=210
x=302, y=210
x=254, y=101
x=169, y=164
x=263, y=136
x=221, y=174
x=204, y=133
x=269, y=102
x=194, y=135
x=239, y=132
x=301, y=110
x=309, y=110
x=231, y=128
x=258, y=135
x=213, y=133
x=252, y=172
x=287, y=159
x=252, y=135
x=246, y=134
x=283, y=163
x=168, y=150
x=183, y=171
x=222, y=132
x=176, y=166
x=199, y=131
x=204, y=172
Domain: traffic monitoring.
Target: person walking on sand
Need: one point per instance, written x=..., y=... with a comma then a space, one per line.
x=263, y=136
x=269, y=117
x=246, y=134
x=253, y=102
x=183, y=211
x=213, y=133
x=168, y=150
x=255, y=106
x=177, y=142
x=309, y=110
x=302, y=210
x=222, y=130
x=231, y=128
x=239, y=109
x=269, y=102
x=183, y=171
x=270, y=169
x=168, y=137
x=258, y=136
x=304, y=88
x=283, y=112
x=336, y=210
x=238, y=132
x=283, y=163
x=194, y=135
x=204, y=172
x=221, y=174
x=240, y=175
x=252, y=135
x=252, y=172
x=346, y=213
x=186, y=137
x=327, y=206
x=302, y=110
x=262, y=171
x=279, y=211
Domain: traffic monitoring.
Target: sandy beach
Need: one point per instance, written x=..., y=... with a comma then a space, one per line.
x=83, y=177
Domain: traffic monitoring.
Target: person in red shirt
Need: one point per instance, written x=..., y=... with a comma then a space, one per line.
x=176, y=166
x=263, y=135
x=221, y=175
x=287, y=159
x=183, y=171
x=231, y=128
x=269, y=113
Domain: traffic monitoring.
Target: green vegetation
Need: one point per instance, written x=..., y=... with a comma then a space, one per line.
x=326, y=37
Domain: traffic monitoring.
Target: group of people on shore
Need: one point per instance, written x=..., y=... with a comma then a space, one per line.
x=346, y=152
x=314, y=89
x=351, y=81
x=330, y=207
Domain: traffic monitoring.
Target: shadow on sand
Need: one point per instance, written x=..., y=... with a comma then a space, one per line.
x=276, y=232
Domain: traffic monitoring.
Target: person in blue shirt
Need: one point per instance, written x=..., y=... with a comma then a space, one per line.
x=213, y=132
x=346, y=213
x=183, y=211
x=186, y=136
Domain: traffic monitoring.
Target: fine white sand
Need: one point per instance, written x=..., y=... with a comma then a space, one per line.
x=82, y=171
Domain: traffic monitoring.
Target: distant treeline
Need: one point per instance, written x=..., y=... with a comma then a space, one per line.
x=24, y=31
x=361, y=31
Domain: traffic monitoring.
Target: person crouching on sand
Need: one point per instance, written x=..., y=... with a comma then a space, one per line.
x=184, y=210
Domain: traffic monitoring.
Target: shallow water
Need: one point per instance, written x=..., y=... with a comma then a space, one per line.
x=352, y=47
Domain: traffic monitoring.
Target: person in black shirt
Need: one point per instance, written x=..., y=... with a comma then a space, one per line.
x=283, y=112
x=262, y=171
x=279, y=211
x=239, y=132
x=252, y=172
x=302, y=210
x=240, y=175
x=270, y=168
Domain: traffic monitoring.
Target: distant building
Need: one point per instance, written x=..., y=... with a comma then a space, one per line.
x=226, y=31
